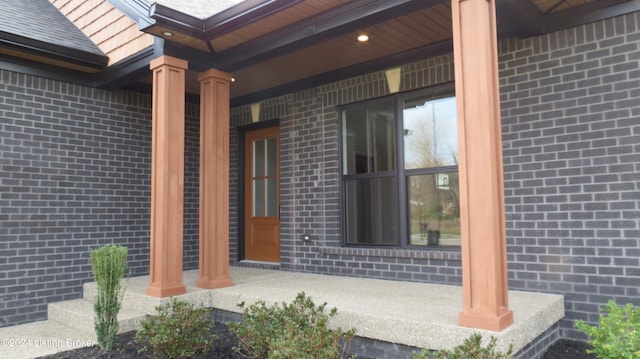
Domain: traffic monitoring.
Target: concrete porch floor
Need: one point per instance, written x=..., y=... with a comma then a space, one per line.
x=413, y=314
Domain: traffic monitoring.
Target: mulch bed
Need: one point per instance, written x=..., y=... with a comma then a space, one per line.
x=568, y=349
x=127, y=348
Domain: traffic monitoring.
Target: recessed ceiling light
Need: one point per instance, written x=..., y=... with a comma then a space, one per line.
x=167, y=33
x=233, y=79
x=363, y=37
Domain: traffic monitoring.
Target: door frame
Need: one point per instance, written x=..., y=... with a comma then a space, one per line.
x=242, y=131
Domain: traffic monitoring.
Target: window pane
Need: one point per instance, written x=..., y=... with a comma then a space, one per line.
x=272, y=197
x=272, y=156
x=430, y=132
x=371, y=216
x=258, y=197
x=369, y=141
x=258, y=158
x=434, y=209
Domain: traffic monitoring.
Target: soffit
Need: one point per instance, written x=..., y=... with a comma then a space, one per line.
x=393, y=36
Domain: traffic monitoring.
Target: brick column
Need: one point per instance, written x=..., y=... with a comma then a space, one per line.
x=214, y=179
x=484, y=259
x=167, y=177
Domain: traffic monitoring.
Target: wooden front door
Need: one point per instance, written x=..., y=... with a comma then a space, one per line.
x=262, y=195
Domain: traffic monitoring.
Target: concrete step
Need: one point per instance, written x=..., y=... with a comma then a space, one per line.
x=133, y=300
x=78, y=314
x=135, y=296
x=136, y=304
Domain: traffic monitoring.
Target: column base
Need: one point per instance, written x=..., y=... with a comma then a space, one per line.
x=166, y=292
x=485, y=321
x=206, y=283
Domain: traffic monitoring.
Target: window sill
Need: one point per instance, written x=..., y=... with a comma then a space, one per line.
x=427, y=253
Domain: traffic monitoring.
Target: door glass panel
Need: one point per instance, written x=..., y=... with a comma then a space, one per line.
x=272, y=156
x=265, y=177
x=272, y=197
x=258, y=158
x=258, y=197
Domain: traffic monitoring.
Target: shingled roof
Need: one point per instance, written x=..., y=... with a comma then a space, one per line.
x=38, y=27
x=200, y=9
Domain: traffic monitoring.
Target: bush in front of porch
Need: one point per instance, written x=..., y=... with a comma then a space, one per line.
x=298, y=330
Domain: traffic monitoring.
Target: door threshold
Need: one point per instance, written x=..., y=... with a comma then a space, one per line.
x=249, y=261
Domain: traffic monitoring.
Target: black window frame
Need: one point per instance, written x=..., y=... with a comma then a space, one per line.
x=400, y=173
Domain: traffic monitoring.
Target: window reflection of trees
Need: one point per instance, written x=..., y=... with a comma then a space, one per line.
x=431, y=154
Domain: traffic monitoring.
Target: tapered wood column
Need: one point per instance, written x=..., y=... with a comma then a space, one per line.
x=484, y=259
x=167, y=177
x=214, y=179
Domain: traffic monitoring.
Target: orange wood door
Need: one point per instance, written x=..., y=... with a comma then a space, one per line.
x=262, y=195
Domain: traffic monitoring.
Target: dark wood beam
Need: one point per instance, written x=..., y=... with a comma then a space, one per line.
x=198, y=60
x=349, y=17
x=177, y=21
x=591, y=12
x=519, y=18
x=130, y=69
x=397, y=59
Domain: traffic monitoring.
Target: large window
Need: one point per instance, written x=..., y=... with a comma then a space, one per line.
x=400, y=171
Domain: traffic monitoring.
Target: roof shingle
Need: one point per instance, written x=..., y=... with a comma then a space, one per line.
x=41, y=21
x=201, y=9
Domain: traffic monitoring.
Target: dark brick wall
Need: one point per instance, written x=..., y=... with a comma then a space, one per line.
x=74, y=175
x=310, y=184
x=190, y=250
x=571, y=137
x=571, y=130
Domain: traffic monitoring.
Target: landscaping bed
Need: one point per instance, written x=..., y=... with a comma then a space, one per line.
x=127, y=348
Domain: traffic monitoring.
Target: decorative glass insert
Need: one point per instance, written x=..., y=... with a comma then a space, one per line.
x=265, y=178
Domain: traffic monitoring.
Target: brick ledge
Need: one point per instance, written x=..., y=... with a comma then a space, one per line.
x=441, y=254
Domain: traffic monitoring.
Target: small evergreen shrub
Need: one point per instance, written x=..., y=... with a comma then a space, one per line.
x=618, y=335
x=179, y=330
x=108, y=265
x=298, y=330
x=472, y=348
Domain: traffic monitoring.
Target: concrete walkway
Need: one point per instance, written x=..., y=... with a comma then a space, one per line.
x=414, y=314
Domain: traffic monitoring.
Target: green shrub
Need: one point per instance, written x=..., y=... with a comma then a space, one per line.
x=297, y=330
x=108, y=265
x=472, y=348
x=179, y=330
x=618, y=336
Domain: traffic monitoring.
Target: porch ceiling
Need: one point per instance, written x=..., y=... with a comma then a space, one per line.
x=276, y=46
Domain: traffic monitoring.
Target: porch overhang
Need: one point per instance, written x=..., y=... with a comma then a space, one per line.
x=276, y=36
x=279, y=56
